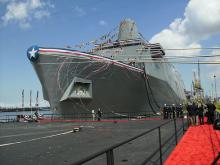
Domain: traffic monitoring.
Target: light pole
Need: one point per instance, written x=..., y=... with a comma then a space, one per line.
x=215, y=88
x=212, y=92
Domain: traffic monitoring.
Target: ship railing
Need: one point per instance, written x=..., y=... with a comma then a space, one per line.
x=158, y=151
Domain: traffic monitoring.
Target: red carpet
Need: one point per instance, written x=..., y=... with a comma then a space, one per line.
x=199, y=146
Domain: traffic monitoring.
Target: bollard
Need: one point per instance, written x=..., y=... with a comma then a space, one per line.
x=77, y=129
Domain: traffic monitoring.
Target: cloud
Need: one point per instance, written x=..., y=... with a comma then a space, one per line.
x=23, y=12
x=201, y=18
x=200, y=22
x=41, y=14
x=102, y=23
x=79, y=11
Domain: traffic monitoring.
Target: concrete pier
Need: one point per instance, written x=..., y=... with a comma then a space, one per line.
x=57, y=143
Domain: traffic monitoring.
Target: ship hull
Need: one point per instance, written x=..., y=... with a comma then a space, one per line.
x=111, y=86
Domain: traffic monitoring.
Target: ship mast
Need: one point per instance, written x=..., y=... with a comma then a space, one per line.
x=199, y=81
x=22, y=100
x=37, y=102
x=31, y=101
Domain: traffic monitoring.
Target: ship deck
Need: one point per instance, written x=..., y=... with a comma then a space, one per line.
x=55, y=143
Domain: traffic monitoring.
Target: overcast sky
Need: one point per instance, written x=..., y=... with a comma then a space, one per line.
x=56, y=23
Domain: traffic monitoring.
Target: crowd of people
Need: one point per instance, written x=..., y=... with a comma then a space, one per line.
x=172, y=111
x=197, y=112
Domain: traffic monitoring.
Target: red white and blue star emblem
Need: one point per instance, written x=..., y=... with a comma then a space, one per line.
x=32, y=53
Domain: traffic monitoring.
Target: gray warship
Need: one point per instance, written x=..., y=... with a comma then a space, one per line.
x=128, y=74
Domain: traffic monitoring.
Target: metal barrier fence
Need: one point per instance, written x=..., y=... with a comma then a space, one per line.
x=85, y=116
x=106, y=115
x=124, y=115
x=217, y=116
x=110, y=150
x=215, y=161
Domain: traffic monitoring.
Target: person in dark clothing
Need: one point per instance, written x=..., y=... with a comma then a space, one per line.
x=178, y=111
x=181, y=111
x=190, y=114
x=173, y=108
x=211, y=111
x=170, y=112
x=200, y=110
x=208, y=112
x=194, y=113
x=213, y=108
x=99, y=114
x=36, y=114
x=165, y=112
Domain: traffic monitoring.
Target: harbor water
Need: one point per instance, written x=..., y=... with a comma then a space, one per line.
x=11, y=116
